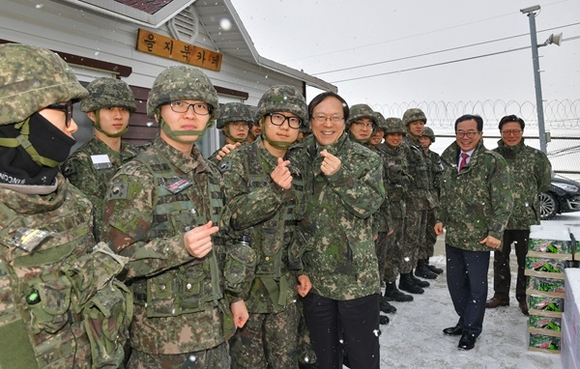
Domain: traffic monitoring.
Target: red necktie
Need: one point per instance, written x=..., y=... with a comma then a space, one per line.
x=463, y=161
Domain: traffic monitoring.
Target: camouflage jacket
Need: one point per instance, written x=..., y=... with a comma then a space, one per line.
x=531, y=173
x=398, y=178
x=418, y=195
x=93, y=179
x=51, y=283
x=342, y=262
x=269, y=214
x=436, y=168
x=152, y=201
x=477, y=201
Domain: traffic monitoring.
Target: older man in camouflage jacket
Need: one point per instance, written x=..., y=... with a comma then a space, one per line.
x=476, y=203
x=342, y=181
x=532, y=174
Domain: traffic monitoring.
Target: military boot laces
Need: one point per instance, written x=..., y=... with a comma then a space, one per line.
x=408, y=285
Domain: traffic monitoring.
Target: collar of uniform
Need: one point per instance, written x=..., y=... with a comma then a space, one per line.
x=26, y=199
x=185, y=163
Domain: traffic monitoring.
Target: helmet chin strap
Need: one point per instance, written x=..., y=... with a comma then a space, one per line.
x=175, y=134
x=97, y=125
x=22, y=140
x=361, y=141
x=229, y=135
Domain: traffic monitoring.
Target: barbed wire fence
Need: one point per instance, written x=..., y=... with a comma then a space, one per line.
x=561, y=122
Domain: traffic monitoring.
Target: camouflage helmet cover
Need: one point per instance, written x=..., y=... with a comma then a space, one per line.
x=182, y=83
x=413, y=115
x=282, y=98
x=395, y=125
x=358, y=111
x=32, y=78
x=428, y=132
x=381, y=122
x=108, y=92
x=234, y=112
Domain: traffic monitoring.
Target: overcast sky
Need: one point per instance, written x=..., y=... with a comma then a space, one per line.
x=401, y=43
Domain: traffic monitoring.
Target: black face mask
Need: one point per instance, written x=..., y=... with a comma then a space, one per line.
x=48, y=140
x=16, y=165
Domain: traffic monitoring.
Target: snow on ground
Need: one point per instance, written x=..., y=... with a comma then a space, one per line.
x=414, y=338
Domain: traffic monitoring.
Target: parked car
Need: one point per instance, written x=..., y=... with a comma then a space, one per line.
x=562, y=197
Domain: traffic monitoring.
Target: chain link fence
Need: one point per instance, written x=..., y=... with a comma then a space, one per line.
x=561, y=122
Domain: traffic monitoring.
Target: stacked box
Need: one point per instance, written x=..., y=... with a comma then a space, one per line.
x=550, y=252
x=571, y=320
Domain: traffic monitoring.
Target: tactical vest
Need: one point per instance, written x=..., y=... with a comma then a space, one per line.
x=272, y=238
x=195, y=286
x=49, y=293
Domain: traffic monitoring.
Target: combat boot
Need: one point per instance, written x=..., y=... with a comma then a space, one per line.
x=422, y=270
x=385, y=307
x=392, y=293
x=407, y=284
x=419, y=282
x=433, y=268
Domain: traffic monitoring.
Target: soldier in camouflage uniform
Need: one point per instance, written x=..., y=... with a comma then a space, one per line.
x=418, y=201
x=57, y=287
x=382, y=218
x=162, y=211
x=109, y=106
x=234, y=121
x=379, y=132
x=255, y=130
x=342, y=181
x=265, y=197
x=476, y=203
x=531, y=173
x=436, y=168
x=361, y=123
x=395, y=165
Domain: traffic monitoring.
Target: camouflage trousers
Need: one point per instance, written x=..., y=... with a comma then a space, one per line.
x=430, y=236
x=267, y=340
x=381, y=251
x=217, y=357
x=413, y=239
x=394, y=251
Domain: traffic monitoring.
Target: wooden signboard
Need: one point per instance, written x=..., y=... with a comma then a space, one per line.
x=180, y=51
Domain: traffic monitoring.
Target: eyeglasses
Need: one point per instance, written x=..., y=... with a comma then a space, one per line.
x=68, y=111
x=469, y=134
x=362, y=124
x=323, y=118
x=512, y=132
x=240, y=124
x=278, y=119
x=198, y=108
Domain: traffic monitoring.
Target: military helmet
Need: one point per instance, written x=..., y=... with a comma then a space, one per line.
x=182, y=83
x=108, y=92
x=32, y=78
x=253, y=110
x=428, y=132
x=413, y=115
x=234, y=112
x=395, y=125
x=283, y=98
x=381, y=122
x=358, y=111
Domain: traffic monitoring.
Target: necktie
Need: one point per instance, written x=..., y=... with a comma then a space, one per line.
x=463, y=161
